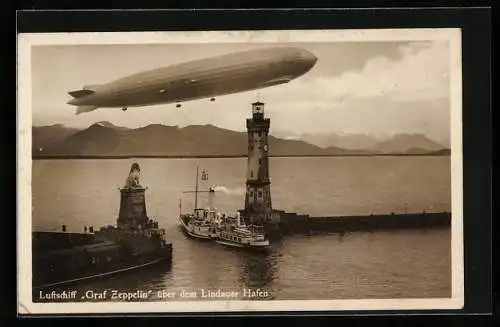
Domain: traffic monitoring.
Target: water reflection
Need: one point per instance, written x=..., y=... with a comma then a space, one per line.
x=258, y=270
x=147, y=278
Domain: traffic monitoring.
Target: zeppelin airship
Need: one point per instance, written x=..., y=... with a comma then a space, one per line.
x=205, y=78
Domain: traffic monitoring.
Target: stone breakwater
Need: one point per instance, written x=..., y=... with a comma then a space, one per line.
x=293, y=223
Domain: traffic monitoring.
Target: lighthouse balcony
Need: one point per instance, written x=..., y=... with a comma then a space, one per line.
x=258, y=182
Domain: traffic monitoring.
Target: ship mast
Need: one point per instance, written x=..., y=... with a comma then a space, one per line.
x=204, y=177
x=196, y=191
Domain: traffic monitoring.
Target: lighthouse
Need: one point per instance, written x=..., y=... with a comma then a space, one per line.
x=258, y=207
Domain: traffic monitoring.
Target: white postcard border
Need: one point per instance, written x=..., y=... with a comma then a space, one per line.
x=24, y=160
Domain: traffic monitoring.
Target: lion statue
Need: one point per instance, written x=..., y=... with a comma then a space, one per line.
x=133, y=177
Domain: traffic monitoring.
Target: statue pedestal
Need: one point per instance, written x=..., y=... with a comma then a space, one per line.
x=133, y=213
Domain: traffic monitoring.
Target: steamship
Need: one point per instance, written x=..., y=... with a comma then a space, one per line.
x=136, y=242
x=233, y=233
x=210, y=224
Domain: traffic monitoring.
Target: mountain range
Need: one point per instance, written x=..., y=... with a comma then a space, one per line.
x=106, y=139
x=365, y=141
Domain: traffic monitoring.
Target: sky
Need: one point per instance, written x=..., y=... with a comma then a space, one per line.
x=355, y=87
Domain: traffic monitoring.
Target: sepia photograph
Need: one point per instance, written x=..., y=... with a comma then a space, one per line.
x=236, y=171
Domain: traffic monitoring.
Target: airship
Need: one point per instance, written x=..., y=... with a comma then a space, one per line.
x=204, y=78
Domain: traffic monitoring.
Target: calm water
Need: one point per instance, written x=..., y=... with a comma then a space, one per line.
x=356, y=265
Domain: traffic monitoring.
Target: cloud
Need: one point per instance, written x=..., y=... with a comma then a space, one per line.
x=422, y=73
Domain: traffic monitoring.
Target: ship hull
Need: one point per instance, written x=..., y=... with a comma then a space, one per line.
x=258, y=247
x=191, y=231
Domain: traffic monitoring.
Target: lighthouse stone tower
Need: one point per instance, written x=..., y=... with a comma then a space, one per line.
x=258, y=207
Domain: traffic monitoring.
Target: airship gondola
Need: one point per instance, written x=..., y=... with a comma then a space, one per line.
x=198, y=79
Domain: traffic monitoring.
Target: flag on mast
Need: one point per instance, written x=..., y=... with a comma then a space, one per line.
x=204, y=175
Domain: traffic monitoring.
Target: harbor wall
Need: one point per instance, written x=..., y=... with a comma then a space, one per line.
x=293, y=223
x=43, y=241
x=134, y=242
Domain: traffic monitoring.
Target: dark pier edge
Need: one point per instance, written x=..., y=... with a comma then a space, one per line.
x=292, y=223
x=475, y=25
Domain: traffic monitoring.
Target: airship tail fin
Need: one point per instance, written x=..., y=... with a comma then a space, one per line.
x=82, y=109
x=80, y=93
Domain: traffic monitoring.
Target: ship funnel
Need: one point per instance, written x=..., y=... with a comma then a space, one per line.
x=211, y=194
x=238, y=219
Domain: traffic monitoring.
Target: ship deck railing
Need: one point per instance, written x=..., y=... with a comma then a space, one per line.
x=133, y=233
